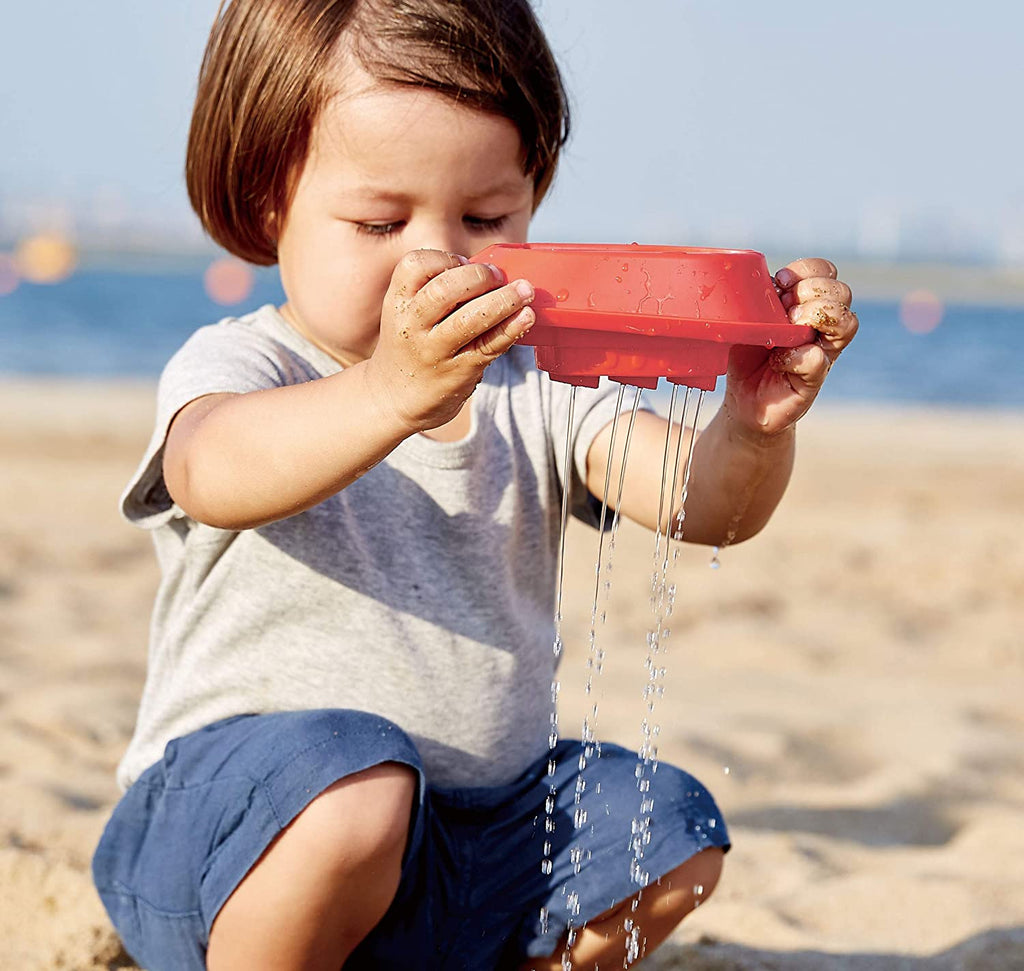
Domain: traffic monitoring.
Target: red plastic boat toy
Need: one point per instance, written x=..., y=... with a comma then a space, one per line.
x=639, y=313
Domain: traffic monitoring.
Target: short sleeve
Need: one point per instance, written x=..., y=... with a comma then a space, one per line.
x=232, y=356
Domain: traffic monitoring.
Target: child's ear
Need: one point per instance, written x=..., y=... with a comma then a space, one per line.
x=271, y=226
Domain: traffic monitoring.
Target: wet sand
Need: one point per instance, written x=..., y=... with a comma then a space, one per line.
x=848, y=683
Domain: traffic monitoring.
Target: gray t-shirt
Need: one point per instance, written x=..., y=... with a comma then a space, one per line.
x=423, y=592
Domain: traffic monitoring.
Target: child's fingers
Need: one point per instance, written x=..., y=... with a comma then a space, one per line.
x=415, y=270
x=476, y=318
x=809, y=364
x=835, y=323
x=804, y=269
x=441, y=295
x=494, y=343
x=816, y=287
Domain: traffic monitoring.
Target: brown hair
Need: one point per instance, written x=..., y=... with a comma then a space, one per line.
x=264, y=80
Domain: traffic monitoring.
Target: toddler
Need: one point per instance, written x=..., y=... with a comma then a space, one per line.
x=341, y=754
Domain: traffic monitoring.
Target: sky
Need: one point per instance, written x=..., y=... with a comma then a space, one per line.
x=885, y=128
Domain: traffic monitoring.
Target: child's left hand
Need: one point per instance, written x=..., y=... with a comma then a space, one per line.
x=768, y=390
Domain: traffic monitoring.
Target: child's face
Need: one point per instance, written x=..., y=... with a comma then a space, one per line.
x=391, y=169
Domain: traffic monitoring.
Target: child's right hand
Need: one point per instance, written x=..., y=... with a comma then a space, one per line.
x=443, y=321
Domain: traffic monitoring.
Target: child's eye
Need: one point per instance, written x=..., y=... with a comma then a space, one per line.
x=378, y=229
x=480, y=225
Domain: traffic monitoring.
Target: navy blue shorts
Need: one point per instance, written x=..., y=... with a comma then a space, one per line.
x=474, y=892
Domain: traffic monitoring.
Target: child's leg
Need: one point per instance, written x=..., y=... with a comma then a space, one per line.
x=264, y=841
x=324, y=882
x=603, y=942
x=558, y=850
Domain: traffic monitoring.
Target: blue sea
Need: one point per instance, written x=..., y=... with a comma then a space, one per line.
x=104, y=323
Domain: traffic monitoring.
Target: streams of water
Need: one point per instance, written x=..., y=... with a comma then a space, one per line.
x=663, y=594
x=547, y=864
x=662, y=601
x=579, y=853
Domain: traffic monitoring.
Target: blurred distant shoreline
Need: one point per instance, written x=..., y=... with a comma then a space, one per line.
x=952, y=283
x=949, y=281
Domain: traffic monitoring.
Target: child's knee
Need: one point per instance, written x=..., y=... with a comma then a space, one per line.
x=688, y=885
x=364, y=818
x=327, y=879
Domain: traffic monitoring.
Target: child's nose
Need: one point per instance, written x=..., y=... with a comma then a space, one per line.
x=447, y=237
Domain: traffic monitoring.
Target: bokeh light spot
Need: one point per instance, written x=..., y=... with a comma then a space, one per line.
x=228, y=281
x=921, y=311
x=9, y=277
x=46, y=258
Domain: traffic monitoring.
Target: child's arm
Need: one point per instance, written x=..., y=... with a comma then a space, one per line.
x=241, y=460
x=743, y=459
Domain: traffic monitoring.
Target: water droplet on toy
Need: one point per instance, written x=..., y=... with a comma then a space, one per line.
x=769, y=342
x=625, y=267
x=562, y=295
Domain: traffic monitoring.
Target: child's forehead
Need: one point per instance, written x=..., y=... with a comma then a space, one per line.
x=416, y=159
x=379, y=121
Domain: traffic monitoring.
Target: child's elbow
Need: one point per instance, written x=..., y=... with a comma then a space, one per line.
x=191, y=491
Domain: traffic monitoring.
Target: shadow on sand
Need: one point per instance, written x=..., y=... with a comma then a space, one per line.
x=995, y=950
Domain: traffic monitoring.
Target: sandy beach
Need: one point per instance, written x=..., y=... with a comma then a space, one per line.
x=849, y=684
